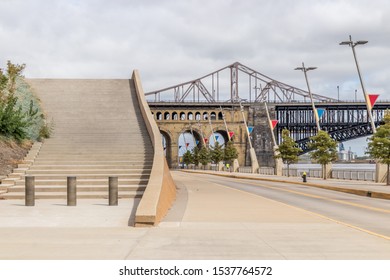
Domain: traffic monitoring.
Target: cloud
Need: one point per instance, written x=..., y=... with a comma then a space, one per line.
x=175, y=41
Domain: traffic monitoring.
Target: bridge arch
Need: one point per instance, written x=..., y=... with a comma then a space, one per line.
x=167, y=145
x=221, y=134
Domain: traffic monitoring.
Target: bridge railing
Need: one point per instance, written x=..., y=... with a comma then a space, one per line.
x=360, y=175
x=343, y=174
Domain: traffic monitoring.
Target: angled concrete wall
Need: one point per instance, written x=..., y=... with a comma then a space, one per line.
x=161, y=190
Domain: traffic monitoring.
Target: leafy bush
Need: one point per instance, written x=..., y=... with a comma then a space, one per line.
x=21, y=116
x=13, y=121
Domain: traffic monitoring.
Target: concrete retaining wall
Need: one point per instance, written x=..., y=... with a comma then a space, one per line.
x=161, y=190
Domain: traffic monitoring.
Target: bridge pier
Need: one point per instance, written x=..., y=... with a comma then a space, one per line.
x=262, y=138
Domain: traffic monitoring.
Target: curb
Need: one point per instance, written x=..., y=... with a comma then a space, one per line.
x=367, y=193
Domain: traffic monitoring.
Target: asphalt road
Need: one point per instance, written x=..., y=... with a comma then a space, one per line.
x=363, y=213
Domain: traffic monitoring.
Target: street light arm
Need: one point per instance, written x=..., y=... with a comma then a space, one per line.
x=361, y=42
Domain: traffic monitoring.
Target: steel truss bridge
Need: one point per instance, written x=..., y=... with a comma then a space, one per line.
x=234, y=83
x=238, y=83
x=343, y=121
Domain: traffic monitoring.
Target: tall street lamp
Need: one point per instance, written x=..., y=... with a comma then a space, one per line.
x=338, y=93
x=353, y=45
x=305, y=69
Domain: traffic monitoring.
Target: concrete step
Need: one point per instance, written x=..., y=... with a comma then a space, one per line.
x=99, y=176
x=81, y=182
x=92, y=166
x=39, y=162
x=98, y=132
x=80, y=195
x=95, y=156
x=125, y=188
x=75, y=172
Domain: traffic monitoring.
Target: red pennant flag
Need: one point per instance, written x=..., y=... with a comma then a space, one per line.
x=274, y=123
x=187, y=144
x=231, y=133
x=372, y=99
x=205, y=140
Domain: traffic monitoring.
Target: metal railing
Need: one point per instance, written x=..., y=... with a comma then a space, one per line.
x=343, y=174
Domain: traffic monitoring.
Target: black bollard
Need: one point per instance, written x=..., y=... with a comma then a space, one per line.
x=30, y=191
x=113, y=191
x=71, y=191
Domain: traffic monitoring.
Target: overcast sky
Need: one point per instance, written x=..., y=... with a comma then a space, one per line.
x=174, y=41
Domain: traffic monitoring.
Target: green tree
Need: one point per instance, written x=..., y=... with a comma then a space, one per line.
x=216, y=153
x=230, y=152
x=187, y=157
x=3, y=84
x=13, y=121
x=379, y=144
x=195, y=156
x=13, y=71
x=288, y=150
x=324, y=149
x=204, y=156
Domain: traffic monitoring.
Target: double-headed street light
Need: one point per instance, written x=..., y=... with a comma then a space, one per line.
x=353, y=45
x=305, y=69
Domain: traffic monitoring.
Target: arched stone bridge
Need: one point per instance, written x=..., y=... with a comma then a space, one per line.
x=343, y=120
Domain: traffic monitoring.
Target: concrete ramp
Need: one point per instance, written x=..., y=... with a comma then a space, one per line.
x=98, y=131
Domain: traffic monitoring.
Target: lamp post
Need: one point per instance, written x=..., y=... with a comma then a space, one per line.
x=353, y=45
x=305, y=69
x=338, y=93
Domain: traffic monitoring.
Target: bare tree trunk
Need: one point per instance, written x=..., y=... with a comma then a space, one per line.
x=288, y=170
x=324, y=171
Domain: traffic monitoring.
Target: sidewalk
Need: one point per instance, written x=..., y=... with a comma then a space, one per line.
x=362, y=188
x=207, y=221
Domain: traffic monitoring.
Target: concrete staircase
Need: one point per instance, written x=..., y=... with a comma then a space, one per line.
x=98, y=132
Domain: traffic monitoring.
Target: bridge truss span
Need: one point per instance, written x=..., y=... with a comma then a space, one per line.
x=343, y=121
x=234, y=83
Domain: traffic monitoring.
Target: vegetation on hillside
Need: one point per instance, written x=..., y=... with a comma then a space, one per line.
x=22, y=120
x=21, y=116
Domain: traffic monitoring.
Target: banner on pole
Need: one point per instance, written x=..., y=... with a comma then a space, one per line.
x=320, y=112
x=274, y=123
x=250, y=129
x=180, y=147
x=216, y=137
x=205, y=140
x=231, y=133
x=197, y=142
x=372, y=100
x=187, y=144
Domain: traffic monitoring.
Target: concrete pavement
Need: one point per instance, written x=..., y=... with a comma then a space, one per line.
x=363, y=188
x=207, y=221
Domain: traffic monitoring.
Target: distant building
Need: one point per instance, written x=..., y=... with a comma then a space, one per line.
x=344, y=155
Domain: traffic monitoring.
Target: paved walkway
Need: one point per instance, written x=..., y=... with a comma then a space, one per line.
x=364, y=188
x=207, y=221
